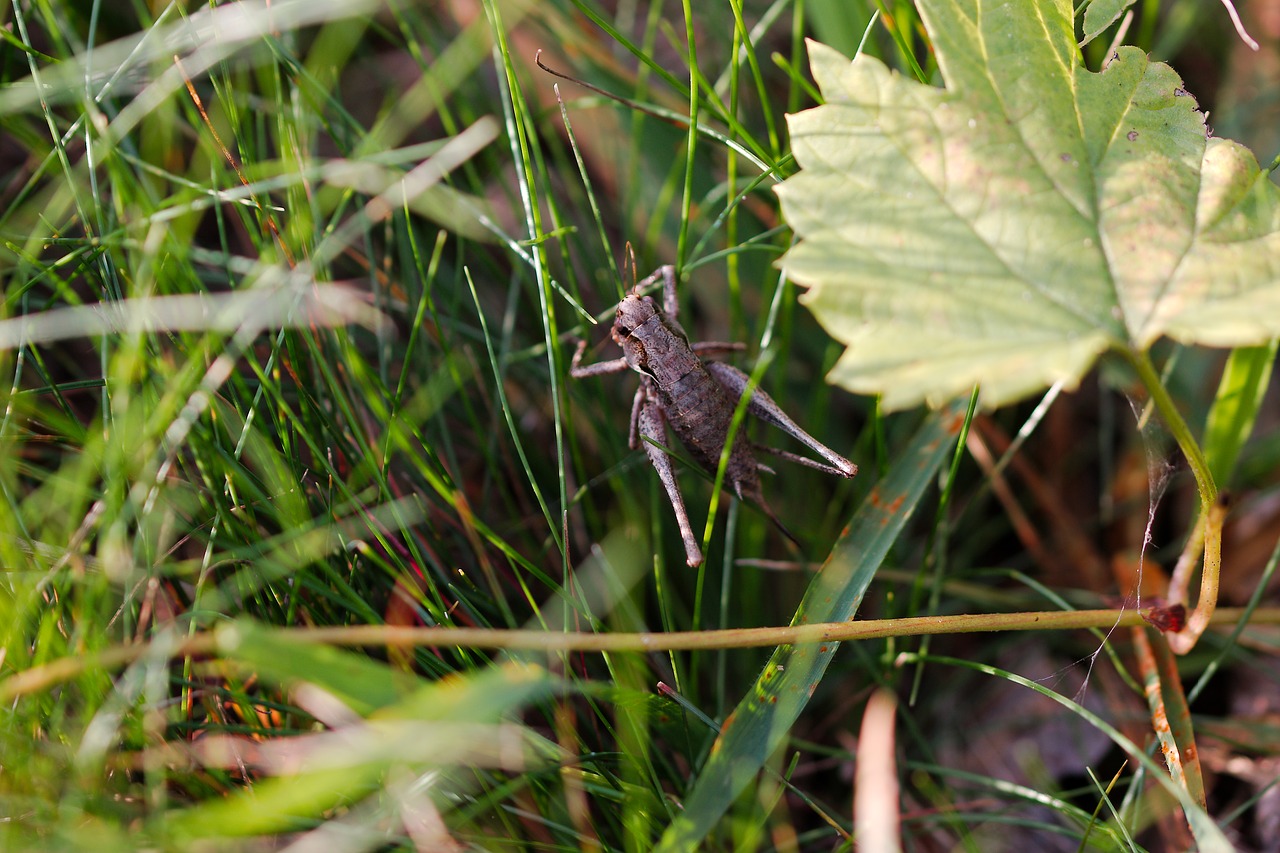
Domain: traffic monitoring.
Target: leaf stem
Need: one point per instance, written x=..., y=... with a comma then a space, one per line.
x=1212, y=512
x=1177, y=427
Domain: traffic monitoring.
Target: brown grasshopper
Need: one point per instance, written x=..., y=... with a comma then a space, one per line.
x=697, y=399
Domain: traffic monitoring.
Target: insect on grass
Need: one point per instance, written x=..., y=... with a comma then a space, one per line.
x=696, y=399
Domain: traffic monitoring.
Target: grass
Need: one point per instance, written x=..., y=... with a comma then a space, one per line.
x=366, y=424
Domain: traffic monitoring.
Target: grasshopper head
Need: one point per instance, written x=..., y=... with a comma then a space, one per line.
x=636, y=312
x=633, y=311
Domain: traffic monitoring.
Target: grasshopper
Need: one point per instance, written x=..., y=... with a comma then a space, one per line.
x=696, y=399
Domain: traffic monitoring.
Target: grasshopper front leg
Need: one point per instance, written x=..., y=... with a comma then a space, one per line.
x=580, y=371
x=649, y=422
x=763, y=407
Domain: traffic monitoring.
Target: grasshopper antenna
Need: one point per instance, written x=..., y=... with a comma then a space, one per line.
x=629, y=259
x=677, y=120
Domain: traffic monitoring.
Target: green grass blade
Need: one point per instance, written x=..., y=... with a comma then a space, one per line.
x=1235, y=408
x=1206, y=832
x=764, y=717
x=455, y=722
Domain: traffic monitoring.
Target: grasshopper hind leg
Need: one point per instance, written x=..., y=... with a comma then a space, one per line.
x=734, y=381
x=649, y=422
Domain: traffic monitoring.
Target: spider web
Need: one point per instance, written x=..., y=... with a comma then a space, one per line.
x=1156, y=445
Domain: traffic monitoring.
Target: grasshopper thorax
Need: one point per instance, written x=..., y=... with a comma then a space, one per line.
x=653, y=342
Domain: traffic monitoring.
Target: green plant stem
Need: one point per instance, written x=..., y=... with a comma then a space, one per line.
x=686, y=199
x=223, y=640
x=731, y=436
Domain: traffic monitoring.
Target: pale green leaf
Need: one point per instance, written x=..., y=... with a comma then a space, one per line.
x=1007, y=229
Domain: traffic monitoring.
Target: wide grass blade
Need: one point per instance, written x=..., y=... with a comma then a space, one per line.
x=764, y=717
x=1244, y=383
